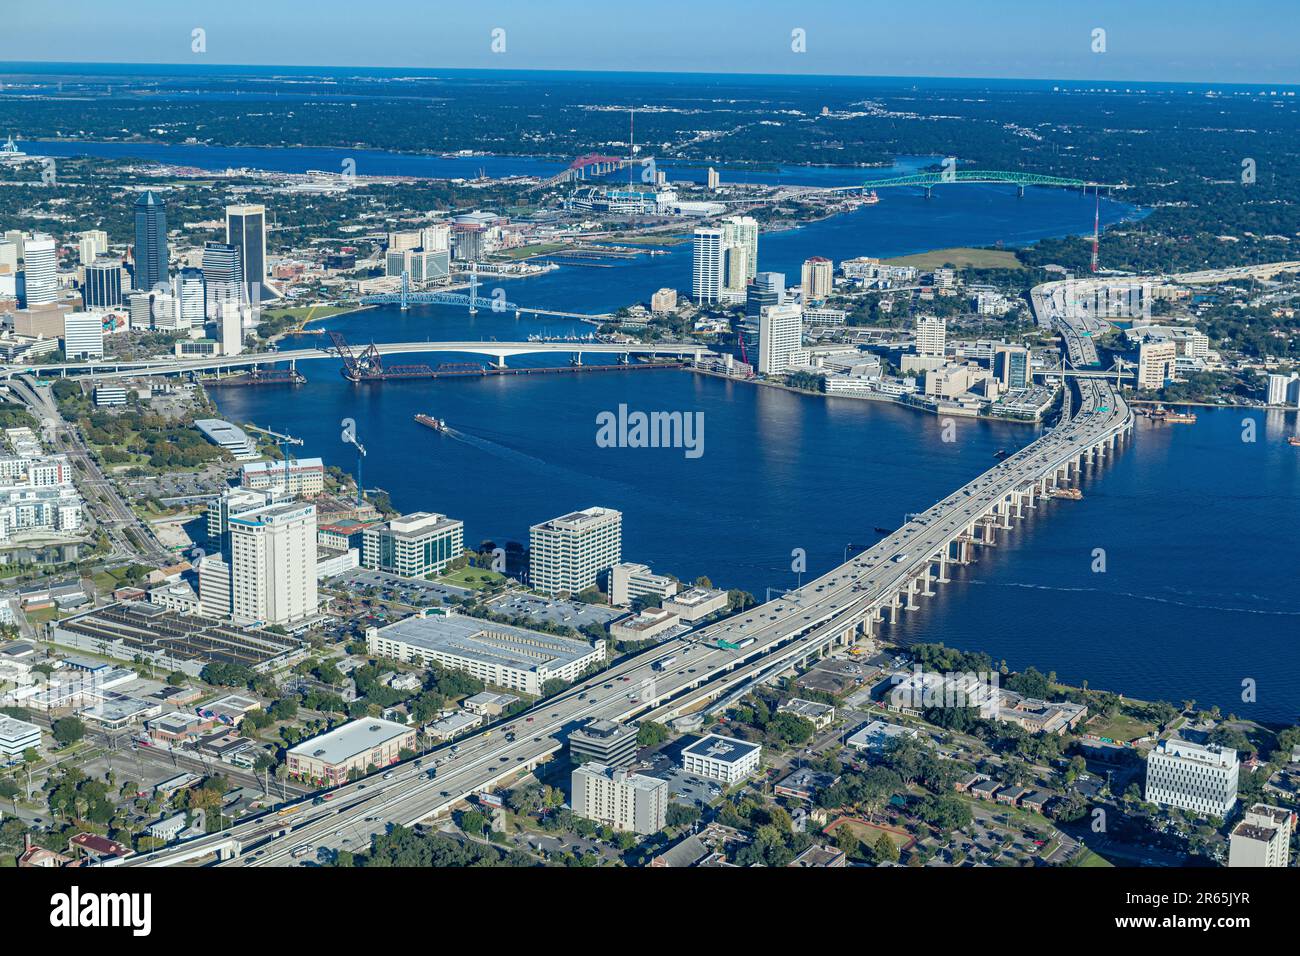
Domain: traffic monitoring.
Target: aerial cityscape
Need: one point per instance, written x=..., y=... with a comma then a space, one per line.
x=558, y=453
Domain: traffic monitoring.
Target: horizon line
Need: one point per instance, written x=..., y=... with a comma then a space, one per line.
x=433, y=70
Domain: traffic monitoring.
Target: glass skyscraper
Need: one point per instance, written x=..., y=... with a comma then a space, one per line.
x=150, y=241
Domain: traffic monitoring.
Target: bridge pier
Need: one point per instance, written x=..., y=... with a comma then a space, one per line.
x=926, y=590
x=501, y=361
x=929, y=194
x=893, y=608
x=911, y=595
x=1020, y=192
x=943, y=566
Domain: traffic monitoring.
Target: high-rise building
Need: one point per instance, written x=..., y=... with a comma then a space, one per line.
x=1011, y=366
x=1262, y=838
x=273, y=564
x=150, y=251
x=768, y=288
x=706, y=281
x=246, y=232
x=1284, y=389
x=11, y=251
x=190, y=293
x=102, y=288
x=712, y=179
x=414, y=545
x=40, y=271
x=1156, y=363
x=624, y=801
x=401, y=241
x=223, y=277
x=742, y=232
x=1199, y=778
x=931, y=335
x=780, y=333
x=214, y=587
x=83, y=335
x=436, y=238
x=230, y=328
x=817, y=278
x=91, y=244
x=575, y=551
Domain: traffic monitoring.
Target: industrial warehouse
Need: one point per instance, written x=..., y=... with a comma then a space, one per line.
x=178, y=642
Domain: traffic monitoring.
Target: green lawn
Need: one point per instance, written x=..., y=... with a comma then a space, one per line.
x=1119, y=727
x=1086, y=857
x=961, y=257
x=473, y=578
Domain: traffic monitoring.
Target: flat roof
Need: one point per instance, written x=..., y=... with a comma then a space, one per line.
x=351, y=739
x=490, y=643
x=725, y=749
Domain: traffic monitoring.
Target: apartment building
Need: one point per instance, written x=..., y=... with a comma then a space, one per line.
x=573, y=552
x=1262, y=838
x=617, y=798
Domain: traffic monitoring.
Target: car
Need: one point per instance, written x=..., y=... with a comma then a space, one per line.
x=530, y=720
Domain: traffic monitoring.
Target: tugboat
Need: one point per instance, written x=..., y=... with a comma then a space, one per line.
x=437, y=424
x=1294, y=440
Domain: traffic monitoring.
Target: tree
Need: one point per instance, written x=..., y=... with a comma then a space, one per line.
x=651, y=734
x=68, y=730
x=886, y=850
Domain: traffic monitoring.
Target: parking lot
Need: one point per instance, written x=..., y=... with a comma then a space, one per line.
x=415, y=592
x=575, y=614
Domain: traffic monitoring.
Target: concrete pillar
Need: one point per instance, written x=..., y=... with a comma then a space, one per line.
x=911, y=595
x=943, y=566
x=927, y=590
x=893, y=609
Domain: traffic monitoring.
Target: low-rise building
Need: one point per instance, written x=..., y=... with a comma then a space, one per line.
x=301, y=476
x=357, y=746
x=695, y=604
x=627, y=582
x=821, y=715
x=650, y=624
x=453, y=725
x=16, y=737
x=877, y=736
x=721, y=758
x=488, y=704
x=499, y=654
x=413, y=546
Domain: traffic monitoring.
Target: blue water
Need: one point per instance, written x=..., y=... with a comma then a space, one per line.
x=1192, y=520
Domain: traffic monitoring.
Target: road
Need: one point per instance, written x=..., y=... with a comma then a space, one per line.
x=833, y=609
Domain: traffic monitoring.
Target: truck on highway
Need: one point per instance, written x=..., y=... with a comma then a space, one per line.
x=299, y=852
x=726, y=645
x=667, y=662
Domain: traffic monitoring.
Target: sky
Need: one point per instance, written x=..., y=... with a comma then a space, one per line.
x=1211, y=41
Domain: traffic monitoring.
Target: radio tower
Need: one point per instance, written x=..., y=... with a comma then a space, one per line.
x=1096, y=227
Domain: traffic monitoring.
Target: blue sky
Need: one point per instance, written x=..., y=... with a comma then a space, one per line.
x=1252, y=41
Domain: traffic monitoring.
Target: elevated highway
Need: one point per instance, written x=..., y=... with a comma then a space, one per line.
x=689, y=672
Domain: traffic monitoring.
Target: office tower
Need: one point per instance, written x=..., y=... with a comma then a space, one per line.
x=190, y=291
x=420, y=265
x=706, y=282
x=817, y=278
x=613, y=797
x=102, y=288
x=223, y=278
x=401, y=241
x=17, y=238
x=931, y=334
x=230, y=328
x=768, y=288
x=40, y=271
x=780, y=333
x=8, y=256
x=436, y=238
x=1156, y=363
x=273, y=564
x=214, y=587
x=165, y=312
x=1262, y=838
x=741, y=232
x=713, y=180
x=573, y=552
x=246, y=232
x=1199, y=778
x=83, y=335
x=140, y=309
x=414, y=545
x=91, y=244
x=736, y=269
x=1284, y=389
x=150, y=242
x=1011, y=366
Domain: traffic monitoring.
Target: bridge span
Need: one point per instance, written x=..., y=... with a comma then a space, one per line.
x=841, y=606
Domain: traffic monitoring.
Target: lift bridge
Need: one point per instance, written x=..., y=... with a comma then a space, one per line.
x=406, y=298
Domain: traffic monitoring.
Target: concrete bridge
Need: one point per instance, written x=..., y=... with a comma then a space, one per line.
x=498, y=352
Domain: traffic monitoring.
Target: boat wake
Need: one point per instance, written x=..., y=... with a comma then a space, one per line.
x=1154, y=598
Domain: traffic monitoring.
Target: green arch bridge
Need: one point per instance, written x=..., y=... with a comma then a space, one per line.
x=942, y=178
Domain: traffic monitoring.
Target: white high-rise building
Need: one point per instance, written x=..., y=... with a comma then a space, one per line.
x=741, y=232
x=83, y=335
x=40, y=271
x=1195, y=777
x=617, y=798
x=571, y=553
x=931, y=335
x=90, y=245
x=1156, y=363
x=273, y=564
x=780, y=333
x=230, y=330
x=817, y=278
x=1284, y=389
x=190, y=293
x=214, y=587
x=706, y=281
x=1262, y=838
x=436, y=238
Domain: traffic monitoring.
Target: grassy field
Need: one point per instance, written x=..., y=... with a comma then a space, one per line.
x=961, y=258
x=1120, y=727
x=1086, y=857
x=473, y=578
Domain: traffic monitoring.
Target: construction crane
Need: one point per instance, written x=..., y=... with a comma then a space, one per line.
x=283, y=442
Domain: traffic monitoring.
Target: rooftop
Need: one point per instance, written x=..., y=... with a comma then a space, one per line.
x=725, y=749
x=490, y=643
x=353, y=738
